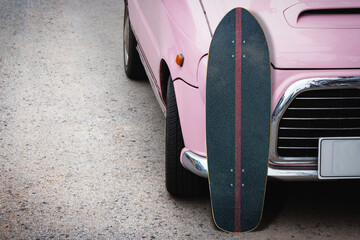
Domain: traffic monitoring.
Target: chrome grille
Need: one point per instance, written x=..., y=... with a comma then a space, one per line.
x=314, y=114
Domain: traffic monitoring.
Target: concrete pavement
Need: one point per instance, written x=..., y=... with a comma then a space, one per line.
x=82, y=146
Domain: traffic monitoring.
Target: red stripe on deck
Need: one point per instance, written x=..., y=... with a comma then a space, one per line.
x=238, y=120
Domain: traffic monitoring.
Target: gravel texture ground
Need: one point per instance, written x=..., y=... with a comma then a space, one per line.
x=82, y=146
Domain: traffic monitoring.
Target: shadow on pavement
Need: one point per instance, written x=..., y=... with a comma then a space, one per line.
x=313, y=200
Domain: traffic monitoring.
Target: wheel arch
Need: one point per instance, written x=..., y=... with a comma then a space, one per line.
x=164, y=78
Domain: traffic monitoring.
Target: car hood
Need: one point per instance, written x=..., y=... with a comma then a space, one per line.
x=302, y=34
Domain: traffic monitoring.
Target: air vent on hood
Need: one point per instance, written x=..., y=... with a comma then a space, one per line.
x=317, y=15
x=330, y=18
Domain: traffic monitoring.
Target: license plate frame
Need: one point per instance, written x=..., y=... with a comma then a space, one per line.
x=339, y=158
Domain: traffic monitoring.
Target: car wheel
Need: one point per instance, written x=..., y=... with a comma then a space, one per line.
x=179, y=181
x=132, y=64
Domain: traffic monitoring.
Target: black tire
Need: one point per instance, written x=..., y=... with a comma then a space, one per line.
x=179, y=181
x=132, y=63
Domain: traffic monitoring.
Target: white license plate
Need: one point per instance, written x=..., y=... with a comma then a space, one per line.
x=339, y=158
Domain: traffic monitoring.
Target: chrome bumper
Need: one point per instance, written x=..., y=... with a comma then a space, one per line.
x=198, y=165
x=195, y=163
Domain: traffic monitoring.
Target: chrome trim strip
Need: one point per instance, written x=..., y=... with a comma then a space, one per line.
x=198, y=165
x=289, y=95
x=320, y=129
x=299, y=138
x=150, y=75
x=293, y=175
x=319, y=109
x=309, y=148
x=151, y=80
x=321, y=118
x=328, y=98
x=206, y=17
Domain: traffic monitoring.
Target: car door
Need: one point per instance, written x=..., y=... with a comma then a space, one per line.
x=146, y=17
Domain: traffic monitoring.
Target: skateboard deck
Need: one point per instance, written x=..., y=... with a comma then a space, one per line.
x=238, y=109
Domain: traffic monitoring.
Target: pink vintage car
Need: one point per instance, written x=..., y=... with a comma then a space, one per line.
x=315, y=65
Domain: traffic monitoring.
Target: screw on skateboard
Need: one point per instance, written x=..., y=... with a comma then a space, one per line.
x=238, y=107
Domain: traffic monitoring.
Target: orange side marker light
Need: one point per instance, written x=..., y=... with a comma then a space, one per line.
x=179, y=59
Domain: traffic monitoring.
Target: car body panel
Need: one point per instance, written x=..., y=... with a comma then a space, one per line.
x=192, y=117
x=299, y=37
x=303, y=44
x=161, y=38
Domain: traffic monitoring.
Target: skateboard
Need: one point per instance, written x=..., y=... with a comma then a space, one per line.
x=238, y=110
